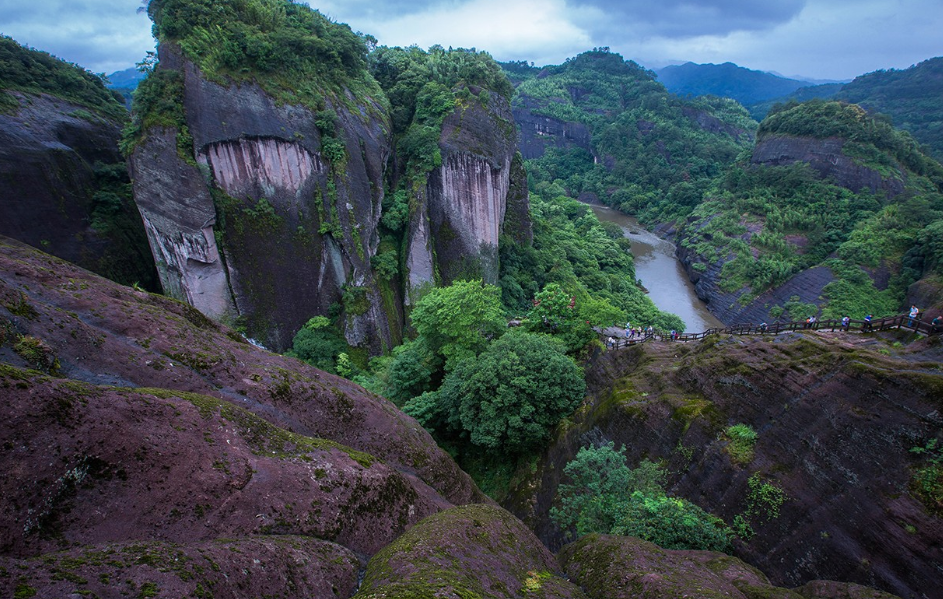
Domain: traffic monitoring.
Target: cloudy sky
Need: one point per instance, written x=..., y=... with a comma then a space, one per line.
x=823, y=39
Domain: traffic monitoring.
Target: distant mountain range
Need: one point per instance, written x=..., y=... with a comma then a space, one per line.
x=729, y=81
x=126, y=79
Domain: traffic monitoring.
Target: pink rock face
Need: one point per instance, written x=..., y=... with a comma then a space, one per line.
x=475, y=196
x=274, y=166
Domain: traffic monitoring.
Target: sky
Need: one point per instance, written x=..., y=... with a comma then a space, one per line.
x=811, y=39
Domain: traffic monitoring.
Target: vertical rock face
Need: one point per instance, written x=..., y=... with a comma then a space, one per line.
x=51, y=155
x=826, y=157
x=455, y=230
x=258, y=225
x=539, y=132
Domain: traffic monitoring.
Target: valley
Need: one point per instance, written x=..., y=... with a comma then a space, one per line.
x=317, y=316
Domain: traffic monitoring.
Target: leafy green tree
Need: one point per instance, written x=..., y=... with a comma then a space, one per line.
x=412, y=371
x=555, y=313
x=458, y=321
x=318, y=343
x=609, y=497
x=511, y=396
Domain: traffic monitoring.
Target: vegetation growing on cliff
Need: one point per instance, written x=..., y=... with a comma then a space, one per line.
x=651, y=155
x=32, y=71
x=776, y=221
x=910, y=97
x=606, y=496
x=293, y=52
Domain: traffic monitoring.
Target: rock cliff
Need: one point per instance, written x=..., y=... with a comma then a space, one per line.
x=454, y=232
x=836, y=419
x=539, y=132
x=826, y=157
x=258, y=223
x=152, y=452
x=61, y=187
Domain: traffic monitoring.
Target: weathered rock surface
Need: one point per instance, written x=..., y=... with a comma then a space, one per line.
x=295, y=229
x=835, y=418
x=454, y=231
x=613, y=567
x=538, y=132
x=49, y=152
x=86, y=465
x=807, y=285
x=826, y=157
x=224, y=569
x=469, y=551
x=712, y=124
x=103, y=333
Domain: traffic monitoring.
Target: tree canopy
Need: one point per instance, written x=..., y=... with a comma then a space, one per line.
x=511, y=396
x=458, y=321
x=606, y=496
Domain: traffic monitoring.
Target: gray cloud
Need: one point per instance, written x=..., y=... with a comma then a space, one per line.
x=100, y=35
x=817, y=38
x=685, y=18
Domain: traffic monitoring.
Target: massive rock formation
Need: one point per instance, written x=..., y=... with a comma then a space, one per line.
x=836, y=419
x=825, y=157
x=56, y=159
x=539, y=132
x=296, y=229
x=455, y=230
x=148, y=451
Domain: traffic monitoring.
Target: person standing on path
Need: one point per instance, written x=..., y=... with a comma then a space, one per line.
x=914, y=313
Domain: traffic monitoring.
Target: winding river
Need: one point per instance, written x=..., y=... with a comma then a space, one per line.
x=661, y=273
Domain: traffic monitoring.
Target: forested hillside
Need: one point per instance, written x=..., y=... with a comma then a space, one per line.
x=649, y=153
x=913, y=98
x=32, y=71
x=829, y=192
x=827, y=185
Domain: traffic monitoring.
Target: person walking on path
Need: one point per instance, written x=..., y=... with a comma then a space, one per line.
x=845, y=321
x=914, y=313
x=867, y=323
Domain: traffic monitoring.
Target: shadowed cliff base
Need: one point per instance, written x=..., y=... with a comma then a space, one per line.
x=836, y=418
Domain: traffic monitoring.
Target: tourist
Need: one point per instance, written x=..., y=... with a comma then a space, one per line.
x=763, y=327
x=936, y=325
x=845, y=321
x=867, y=323
x=914, y=312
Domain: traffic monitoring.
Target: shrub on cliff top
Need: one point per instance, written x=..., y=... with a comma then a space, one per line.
x=292, y=51
x=33, y=71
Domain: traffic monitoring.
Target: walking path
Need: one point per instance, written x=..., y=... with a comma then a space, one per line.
x=902, y=321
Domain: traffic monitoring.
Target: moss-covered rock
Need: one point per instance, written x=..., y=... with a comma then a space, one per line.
x=470, y=552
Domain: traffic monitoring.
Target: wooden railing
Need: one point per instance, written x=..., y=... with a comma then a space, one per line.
x=902, y=321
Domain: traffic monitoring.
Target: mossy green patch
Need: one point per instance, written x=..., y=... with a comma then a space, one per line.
x=263, y=437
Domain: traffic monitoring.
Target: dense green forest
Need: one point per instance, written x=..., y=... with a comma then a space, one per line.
x=726, y=80
x=37, y=72
x=912, y=98
x=778, y=220
x=654, y=159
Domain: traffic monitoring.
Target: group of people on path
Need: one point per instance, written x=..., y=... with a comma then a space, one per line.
x=632, y=333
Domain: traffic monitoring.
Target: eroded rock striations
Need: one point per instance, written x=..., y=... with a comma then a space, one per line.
x=454, y=231
x=258, y=223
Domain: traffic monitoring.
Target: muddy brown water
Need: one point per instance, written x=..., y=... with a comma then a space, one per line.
x=661, y=273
